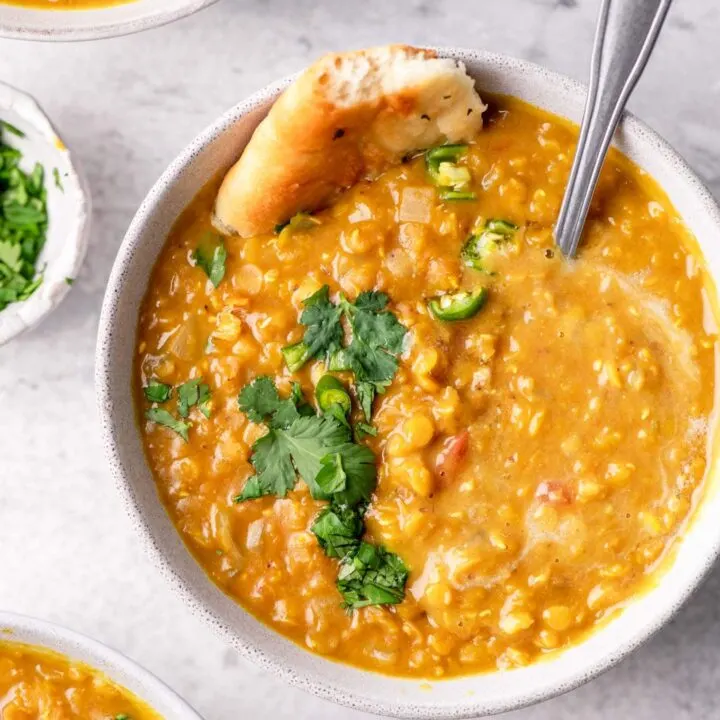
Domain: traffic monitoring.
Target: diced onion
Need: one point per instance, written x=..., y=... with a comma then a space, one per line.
x=254, y=534
x=361, y=213
x=416, y=205
x=185, y=343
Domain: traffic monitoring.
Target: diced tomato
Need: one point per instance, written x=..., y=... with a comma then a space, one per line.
x=554, y=492
x=450, y=458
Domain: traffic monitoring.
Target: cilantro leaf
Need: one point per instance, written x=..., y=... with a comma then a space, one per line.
x=321, y=317
x=358, y=465
x=378, y=329
x=259, y=399
x=11, y=256
x=309, y=440
x=284, y=453
x=210, y=255
x=261, y=402
x=331, y=478
x=371, y=576
x=5, y=125
x=20, y=216
x=338, y=529
x=157, y=392
x=163, y=417
x=377, y=339
x=371, y=301
x=318, y=449
x=193, y=393
x=364, y=430
x=274, y=471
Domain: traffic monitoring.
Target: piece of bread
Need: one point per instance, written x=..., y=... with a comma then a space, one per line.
x=348, y=116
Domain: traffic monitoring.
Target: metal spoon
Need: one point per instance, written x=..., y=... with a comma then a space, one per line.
x=625, y=37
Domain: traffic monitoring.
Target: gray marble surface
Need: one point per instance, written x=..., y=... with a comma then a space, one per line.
x=127, y=106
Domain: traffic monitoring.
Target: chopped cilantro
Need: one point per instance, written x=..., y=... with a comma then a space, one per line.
x=157, y=392
x=5, y=125
x=364, y=430
x=306, y=445
x=300, y=449
x=321, y=317
x=338, y=529
x=377, y=339
x=58, y=181
x=261, y=402
x=70, y=281
x=210, y=256
x=193, y=393
x=319, y=450
x=331, y=478
x=163, y=417
x=23, y=224
x=371, y=576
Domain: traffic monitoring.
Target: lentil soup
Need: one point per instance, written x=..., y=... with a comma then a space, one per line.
x=64, y=4
x=37, y=683
x=542, y=441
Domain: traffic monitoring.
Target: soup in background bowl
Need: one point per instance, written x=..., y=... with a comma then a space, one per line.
x=69, y=20
x=524, y=575
x=49, y=671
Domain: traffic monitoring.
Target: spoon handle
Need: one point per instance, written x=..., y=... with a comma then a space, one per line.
x=625, y=36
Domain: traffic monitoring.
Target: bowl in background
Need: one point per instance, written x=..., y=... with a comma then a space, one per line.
x=24, y=23
x=30, y=631
x=215, y=150
x=68, y=205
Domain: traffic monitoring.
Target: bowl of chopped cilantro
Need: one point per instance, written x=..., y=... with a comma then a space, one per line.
x=44, y=215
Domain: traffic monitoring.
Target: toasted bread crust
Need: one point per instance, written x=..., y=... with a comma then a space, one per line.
x=348, y=116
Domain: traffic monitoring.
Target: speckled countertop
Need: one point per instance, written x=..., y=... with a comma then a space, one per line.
x=127, y=106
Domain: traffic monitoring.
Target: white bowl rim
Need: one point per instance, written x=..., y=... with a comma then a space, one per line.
x=53, y=637
x=464, y=707
x=104, y=28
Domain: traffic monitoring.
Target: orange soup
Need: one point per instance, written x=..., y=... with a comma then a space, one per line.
x=39, y=684
x=64, y=4
x=407, y=434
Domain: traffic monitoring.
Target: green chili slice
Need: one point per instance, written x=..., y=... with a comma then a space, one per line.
x=458, y=306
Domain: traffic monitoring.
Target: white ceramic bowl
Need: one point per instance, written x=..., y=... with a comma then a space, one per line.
x=217, y=148
x=143, y=684
x=68, y=210
x=36, y=24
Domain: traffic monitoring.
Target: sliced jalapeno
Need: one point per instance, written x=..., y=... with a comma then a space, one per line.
x=296, y=355
x=444, y=153
x=457, y=195
x=481, y=246
x=458, y=306
x=333, y=399
x=445, y=156
x=330, y=391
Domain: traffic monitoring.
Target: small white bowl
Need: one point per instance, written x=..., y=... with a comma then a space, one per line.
x=68, y=210
x=91, y=24
x=463, y=697
x=123, y=671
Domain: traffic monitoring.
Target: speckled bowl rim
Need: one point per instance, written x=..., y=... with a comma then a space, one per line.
x=470, y=705
x=103, y=28
x=27, y=630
